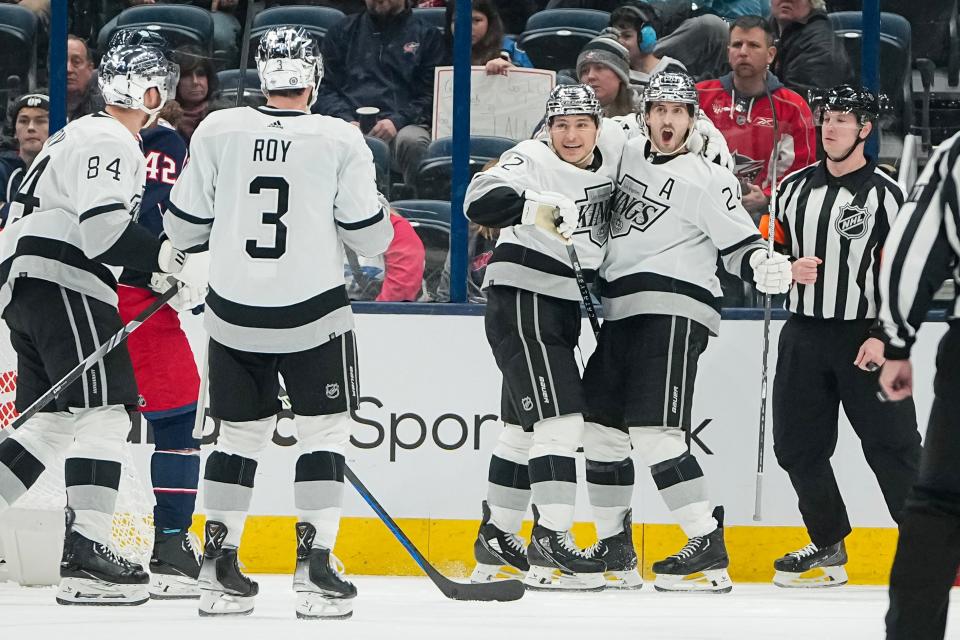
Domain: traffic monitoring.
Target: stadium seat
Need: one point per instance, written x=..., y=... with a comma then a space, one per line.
x=436, y=169
x=180, y=25
x=316, y=20
x=554, y=37
x=431, y=220
x=228, y=82
x=437, y=16
x=381, y=160
x=18, y=52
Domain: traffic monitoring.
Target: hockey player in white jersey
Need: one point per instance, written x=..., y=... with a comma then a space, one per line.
x=71, y=227
x=276, y=192
x=673, y=216
x=542, y=194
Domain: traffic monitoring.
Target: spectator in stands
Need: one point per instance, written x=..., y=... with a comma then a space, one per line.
x=395, y=276
x=809, y=56
x=638, y=25
x=347, y=6
x=30, y=115
x=490, y=47
x=40, y=8
x=197, y=83
x=604, y=64
x=746, y=105
x=700, y=43
x=384, y=58
x=83, y=90
x=733, y=9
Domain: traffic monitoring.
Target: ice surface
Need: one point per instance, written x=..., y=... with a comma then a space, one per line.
x=402, y=608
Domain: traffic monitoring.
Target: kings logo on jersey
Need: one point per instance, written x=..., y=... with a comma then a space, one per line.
x=853, y=222
x=634, y=208
x=595, y=213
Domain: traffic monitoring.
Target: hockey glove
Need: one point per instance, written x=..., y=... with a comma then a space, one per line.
x=713, y=146
x=553, y=212
x=190, y=268
x=771, y=275
x=187, y=297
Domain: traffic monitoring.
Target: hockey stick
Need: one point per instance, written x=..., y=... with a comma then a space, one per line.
x=767, y=312
x=90, y=361
x=245, y=53
x=584, y=292
x=504, y=591
x=201, y=416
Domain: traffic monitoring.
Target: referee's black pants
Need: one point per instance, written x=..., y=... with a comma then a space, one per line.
x=815, y=376
x=928, y=552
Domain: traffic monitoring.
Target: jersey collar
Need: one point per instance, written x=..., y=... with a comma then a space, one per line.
x=283, y=113
x=849, y=181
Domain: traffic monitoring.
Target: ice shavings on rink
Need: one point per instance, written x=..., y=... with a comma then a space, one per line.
x=402, y=608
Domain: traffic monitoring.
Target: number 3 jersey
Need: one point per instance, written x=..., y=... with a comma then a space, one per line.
x=672, y=217
x=72, y=215
x=276, y=193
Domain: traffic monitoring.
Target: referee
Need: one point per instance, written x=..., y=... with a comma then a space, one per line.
x=835, y=216
x=924, y=247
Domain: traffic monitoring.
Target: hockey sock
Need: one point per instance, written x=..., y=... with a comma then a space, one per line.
x=318, y=494
x=174, y=471
x=508, y=480
x=610, y=487
x=683, y=489
x=553, y=469
x=228, y=489
x=92, y=487
x=38, y=444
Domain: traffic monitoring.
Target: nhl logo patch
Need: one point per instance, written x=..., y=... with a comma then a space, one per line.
x=333, y=390
x=527, y=403
x=853, y=222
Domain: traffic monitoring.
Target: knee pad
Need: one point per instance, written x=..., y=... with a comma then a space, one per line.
x=246, y=439
x=175, y=433
x=47, y=436
x=514, y=444
x=657, y=444
x=558, y=436
x=101, y=433
x=605, y=444
x=323, y=433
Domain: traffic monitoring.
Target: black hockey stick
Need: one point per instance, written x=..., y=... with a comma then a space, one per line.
x=504, y=591
x=245, y=53
x=90, y=361
x=584, y=292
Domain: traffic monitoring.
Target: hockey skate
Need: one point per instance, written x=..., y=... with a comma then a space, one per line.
x=174, y=566
x=557, y=563
x=224, y=590
x=318, y=580
x=93, y=574
x=500, y=555
x=620, y=557
x=701, y=565
x=812, y=567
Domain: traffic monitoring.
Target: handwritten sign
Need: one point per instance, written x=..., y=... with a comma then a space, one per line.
x=509, y=106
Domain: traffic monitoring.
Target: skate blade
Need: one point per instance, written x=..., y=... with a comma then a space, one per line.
x=817, y=578
x=97, y=593
x=709, y=581
x=495, y=573
x=551, y=579
x=165, y=587
x=218, y=603
x=623, y=580
x=314, y=606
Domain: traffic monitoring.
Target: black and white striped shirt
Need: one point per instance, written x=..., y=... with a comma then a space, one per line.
x=923, y=248
x=844, y=221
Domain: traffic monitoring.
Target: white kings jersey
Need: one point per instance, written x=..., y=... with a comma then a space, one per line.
x=529, y=258
x=276, y=193
x=672, y=217
x=74, y=204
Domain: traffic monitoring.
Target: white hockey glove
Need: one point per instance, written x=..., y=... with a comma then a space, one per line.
x=771, y=274
x=187, y=297
x=553, y=212
x=190, y=268
x=707, y=140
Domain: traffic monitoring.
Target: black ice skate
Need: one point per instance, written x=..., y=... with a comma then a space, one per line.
x=812, y=567
x=224, y=590
x=499, y=555
x=620, y=557
x=93, y=574
x=174, y=566
x=557, y=563
x=700, y=566
x=318, y=580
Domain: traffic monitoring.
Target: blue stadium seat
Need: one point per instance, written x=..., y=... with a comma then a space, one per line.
x=18, y=51
x=437, y=16
x=316, y=20
x=381, y=160
x=180, y=25
x=554, y=37
x=431, y=220
x=436, y=169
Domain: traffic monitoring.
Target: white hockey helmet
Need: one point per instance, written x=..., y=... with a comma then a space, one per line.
x=127, y=72
x=287, y=58
x=573, y=100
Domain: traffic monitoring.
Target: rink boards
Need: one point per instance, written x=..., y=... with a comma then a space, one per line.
x=429, y=419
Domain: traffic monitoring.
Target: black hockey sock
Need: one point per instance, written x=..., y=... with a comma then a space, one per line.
x=610, y=487
x=508, y=493
x=318, y=494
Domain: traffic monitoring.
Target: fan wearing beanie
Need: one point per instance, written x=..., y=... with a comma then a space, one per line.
x=604, y=65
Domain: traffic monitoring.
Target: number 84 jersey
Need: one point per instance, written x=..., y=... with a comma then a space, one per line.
x=276, y=193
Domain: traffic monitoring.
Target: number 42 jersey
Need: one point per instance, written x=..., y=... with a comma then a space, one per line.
x=276, y=193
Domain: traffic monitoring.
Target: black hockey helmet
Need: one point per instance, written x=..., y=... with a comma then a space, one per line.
x=845, y=98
